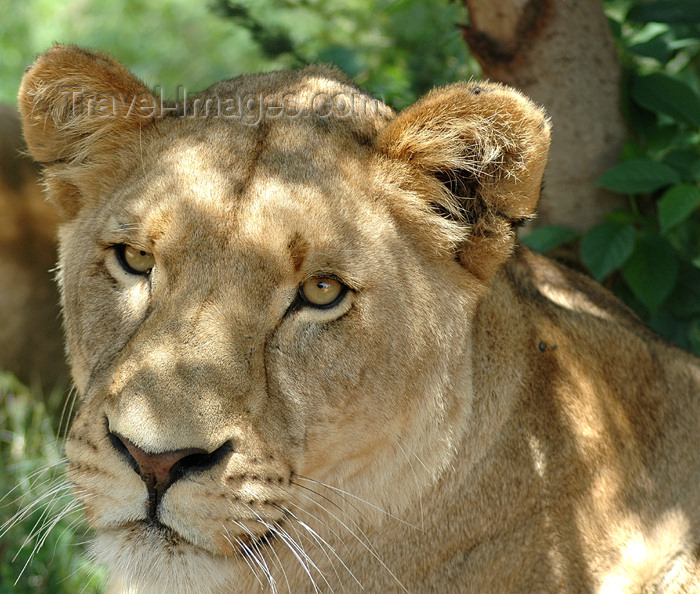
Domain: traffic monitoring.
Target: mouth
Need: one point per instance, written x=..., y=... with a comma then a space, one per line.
x=173, y=541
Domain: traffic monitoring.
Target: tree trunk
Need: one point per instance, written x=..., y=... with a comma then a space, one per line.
x=560, y=53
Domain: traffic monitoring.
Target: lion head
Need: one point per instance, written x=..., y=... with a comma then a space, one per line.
x=268, y=290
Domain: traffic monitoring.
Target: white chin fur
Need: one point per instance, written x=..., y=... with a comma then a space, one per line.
x=145, y=564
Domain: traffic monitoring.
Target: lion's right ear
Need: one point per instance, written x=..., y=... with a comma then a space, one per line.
x=79, y=108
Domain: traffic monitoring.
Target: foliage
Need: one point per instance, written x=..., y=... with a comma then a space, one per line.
x=373, y=41
x=176, y=42
x=39, y=522
x=650, y=255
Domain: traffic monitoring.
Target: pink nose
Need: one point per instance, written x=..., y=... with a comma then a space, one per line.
x=157, y=470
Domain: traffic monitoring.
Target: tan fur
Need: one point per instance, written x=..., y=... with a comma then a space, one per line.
x=468, y=418
x=30, y=326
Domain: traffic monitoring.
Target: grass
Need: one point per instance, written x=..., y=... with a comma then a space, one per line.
x=42, y=533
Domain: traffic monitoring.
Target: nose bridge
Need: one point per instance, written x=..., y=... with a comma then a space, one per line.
x=194, y=363
x=209, y=342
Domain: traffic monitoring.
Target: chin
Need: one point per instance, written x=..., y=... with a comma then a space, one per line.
x=147, y=559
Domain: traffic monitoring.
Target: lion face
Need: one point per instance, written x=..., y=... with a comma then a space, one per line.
x=226, y=343
x=261, y=318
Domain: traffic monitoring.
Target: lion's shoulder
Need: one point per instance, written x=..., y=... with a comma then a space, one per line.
x=556, y=286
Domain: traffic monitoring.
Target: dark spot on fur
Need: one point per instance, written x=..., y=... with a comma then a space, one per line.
x=298, y=249
x=362, y=139
x=542, y=346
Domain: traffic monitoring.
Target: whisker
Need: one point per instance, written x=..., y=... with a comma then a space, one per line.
x=293, y=546
x=299, y=543
x=280, y=565
x=367, y=545
x=69, y=509
x=318, y=544
x=244, y=553
x=276, y=528
x=41, y=540
x=42, y=520
x=33, y=477
x=268, y=574
x=254, y=553
x=318, y=538
x=357, y=498
x=28, y=509
x=415, y=477
x=341, y=510
x=68, y=405
x=326, y=524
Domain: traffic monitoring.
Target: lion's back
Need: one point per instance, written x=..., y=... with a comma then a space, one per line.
x=30, y=327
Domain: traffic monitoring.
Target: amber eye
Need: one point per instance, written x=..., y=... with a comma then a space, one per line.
x=322, y=292
x=134, y=260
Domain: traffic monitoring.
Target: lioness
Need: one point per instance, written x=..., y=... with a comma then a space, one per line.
x=312, y=359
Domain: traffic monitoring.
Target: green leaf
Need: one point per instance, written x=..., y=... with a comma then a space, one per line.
x=547, y=238
x=685, y=299
x=606, y=247
x=686, y=161
x=345, y=58
x=677, y=204
x=652, y=270
x=668, y=95
x=632, y=150
x=671, y=327
x=653, y=40
x=694, y=336
x=666, y=11
x=622, y=217
x=638, y=176
x=648, y=32
x=657, y=48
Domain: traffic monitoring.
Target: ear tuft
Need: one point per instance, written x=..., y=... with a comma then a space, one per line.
x=478, y=152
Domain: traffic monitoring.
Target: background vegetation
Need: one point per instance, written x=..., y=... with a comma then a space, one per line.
x=397, y=49
x=649, y=254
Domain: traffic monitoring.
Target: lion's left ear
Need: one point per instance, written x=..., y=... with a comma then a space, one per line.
x=478, y=152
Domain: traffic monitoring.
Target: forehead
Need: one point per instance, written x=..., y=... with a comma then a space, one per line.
x=218, y=182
